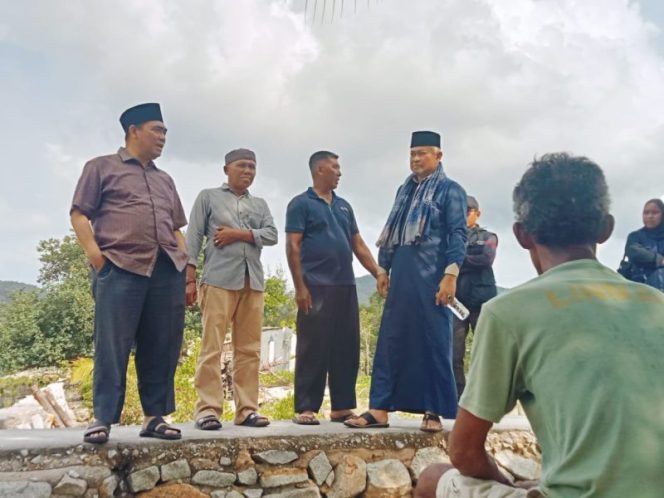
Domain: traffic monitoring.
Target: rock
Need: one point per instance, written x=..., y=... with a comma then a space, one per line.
x=243, y=460
x=202, y=464
x=234, y=494
x=387, y=479
x=213, y=478
x=91, y=493
x=330, y=479
x=248, y=476
x=276, y=457
x=93, y=475
x=108, y=486
x=350, y=478
x=70, y=486
x=520, y=467
x=19, y=489
x=225, y=461
x=253, y=493
x=142, y=480
x=173, y=490
x=310, y=491
x=425, y=457
x=178, y=469
x=319, y=468
x=272, y=478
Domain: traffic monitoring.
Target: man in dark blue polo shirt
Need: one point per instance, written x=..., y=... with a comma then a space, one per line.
x=322, y=238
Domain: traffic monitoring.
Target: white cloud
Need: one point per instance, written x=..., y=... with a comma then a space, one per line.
x=503, y=81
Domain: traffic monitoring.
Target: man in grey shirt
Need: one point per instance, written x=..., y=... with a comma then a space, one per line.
x=236, y=225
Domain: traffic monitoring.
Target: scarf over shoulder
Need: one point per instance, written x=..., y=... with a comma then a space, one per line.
x=408, y=222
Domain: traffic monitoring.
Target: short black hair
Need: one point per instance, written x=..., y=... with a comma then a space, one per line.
x=562, y=200
x=320, y=156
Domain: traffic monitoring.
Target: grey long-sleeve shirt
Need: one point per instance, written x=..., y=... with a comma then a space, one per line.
x=225, y=267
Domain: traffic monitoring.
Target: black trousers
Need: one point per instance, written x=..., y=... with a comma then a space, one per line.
x=145, y=311
x=461, y=330
x=328, y=348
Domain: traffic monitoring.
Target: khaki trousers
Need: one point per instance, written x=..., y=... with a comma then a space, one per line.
x=243, y=309
x=453, y=485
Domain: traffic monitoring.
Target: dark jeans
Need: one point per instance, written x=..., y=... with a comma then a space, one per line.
x=328, y=347
x=461, y=329
x=147, y=312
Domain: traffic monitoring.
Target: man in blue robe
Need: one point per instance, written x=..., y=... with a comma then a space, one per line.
x=422, y=247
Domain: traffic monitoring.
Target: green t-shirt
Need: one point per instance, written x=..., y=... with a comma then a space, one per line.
x=583, y=350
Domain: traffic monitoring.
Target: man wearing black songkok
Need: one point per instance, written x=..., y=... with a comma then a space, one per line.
x=127, y=216
x=422, y=247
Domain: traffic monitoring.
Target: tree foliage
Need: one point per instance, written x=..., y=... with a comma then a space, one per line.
x=53, y=324
x=280, y=307
x=370, y=316
x=43, y=328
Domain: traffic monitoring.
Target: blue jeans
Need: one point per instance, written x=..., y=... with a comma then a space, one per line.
x=147, y=312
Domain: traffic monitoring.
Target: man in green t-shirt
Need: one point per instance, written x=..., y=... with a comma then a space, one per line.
x=579, y=346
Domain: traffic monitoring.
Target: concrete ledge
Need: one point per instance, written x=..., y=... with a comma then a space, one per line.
x=282, y=460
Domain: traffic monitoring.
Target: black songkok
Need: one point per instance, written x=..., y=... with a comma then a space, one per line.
x=238, y=154
x=140, y=114
x=425, y=139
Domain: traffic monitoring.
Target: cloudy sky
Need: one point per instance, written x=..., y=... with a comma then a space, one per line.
x=503, y=80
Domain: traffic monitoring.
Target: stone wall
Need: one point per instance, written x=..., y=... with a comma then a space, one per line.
x=285, y=463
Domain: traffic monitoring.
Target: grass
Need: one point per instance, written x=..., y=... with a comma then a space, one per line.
x=185, y=393
x=80, y=373
x=277, y=379
x=14, y=388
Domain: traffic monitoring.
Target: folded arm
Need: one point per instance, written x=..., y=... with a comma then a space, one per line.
x=483, y=254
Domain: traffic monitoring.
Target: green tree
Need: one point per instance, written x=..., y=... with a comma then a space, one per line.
x=19, y=330
x=280, y=307
x=370, y=316
x=45, y=327
x=61, y=259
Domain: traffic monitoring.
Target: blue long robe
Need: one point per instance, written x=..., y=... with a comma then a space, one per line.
x=412, y=369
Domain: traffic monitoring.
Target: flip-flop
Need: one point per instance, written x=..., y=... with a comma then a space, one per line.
x=431, y=417
x=157, y=428
x=208, y=423
x=305, y=420
x=255, y=420
x=372, y=423
x=97, y=427
x=343, y=418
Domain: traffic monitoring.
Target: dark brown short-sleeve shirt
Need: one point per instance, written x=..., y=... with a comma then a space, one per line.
x=134, y=211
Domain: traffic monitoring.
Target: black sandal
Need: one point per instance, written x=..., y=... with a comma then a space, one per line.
x=430, y=417
x=208, y=423
x=372, y=423
x=255, y=420
x=157, y=428
x=101, y=430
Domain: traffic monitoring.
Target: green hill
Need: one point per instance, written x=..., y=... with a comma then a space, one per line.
x=7, y=287
x=366, y=286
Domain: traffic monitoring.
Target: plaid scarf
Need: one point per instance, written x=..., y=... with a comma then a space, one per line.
x=408, y=222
